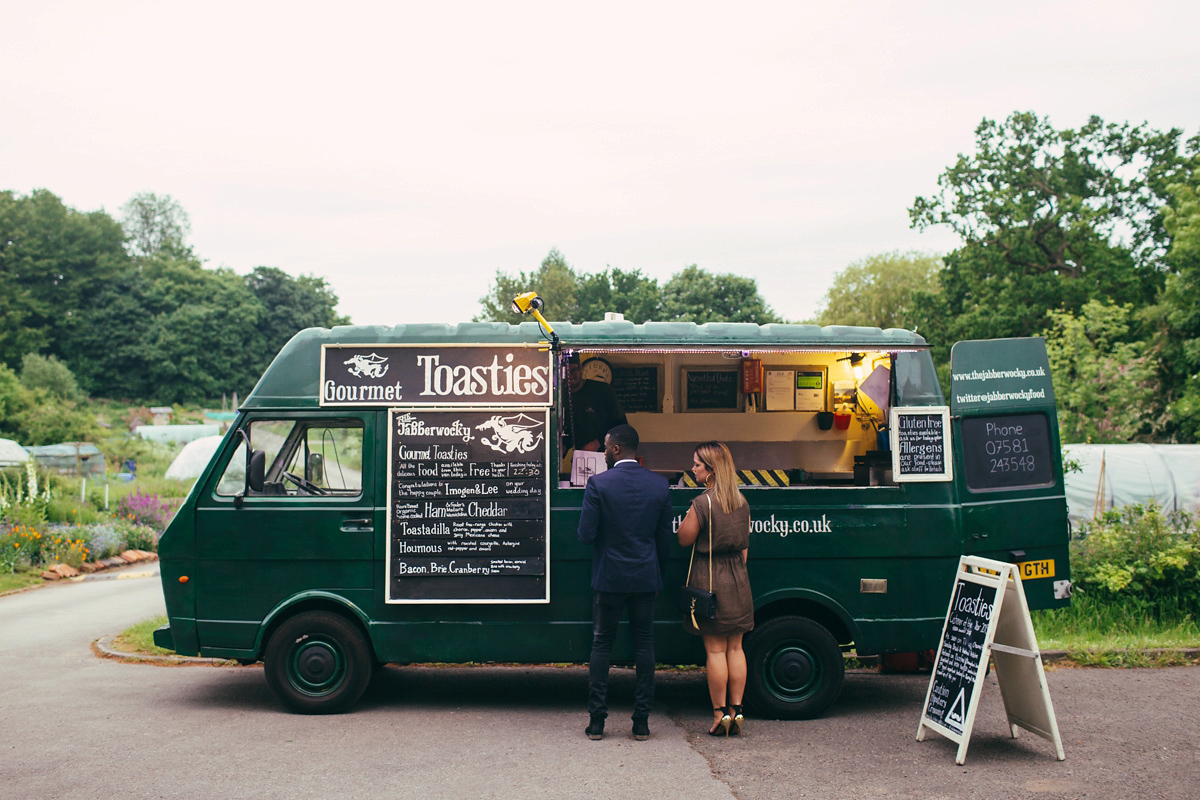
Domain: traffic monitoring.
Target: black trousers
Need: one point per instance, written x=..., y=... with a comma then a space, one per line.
x=607, y=608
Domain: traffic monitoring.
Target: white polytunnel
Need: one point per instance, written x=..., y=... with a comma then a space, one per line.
x=1116, y=475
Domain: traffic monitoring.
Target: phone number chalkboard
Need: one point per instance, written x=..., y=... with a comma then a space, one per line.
x=467, y=506
x=1006, y=452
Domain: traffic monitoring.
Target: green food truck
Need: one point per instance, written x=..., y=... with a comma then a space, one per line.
x=404, y=494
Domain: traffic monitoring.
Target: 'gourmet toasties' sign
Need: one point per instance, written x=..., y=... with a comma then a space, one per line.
x=434, y=375
x=467, y=506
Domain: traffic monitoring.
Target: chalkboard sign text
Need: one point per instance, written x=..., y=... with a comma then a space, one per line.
x=636, y=388
x=921, y=444
x=467, y=506
x=960, y=655
x=711, y=390
x=1006, y=452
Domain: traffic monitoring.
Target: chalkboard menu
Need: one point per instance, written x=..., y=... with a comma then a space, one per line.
x=920, y=437
x=1006, y=452
x=960, y=655
x=467, y=506
x=711, y=389
x=636, y=388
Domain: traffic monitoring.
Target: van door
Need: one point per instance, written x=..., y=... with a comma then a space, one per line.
x=1008, y=462
x=310, y=526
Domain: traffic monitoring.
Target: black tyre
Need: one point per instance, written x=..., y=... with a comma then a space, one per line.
x=318, y=662
x=794, y=668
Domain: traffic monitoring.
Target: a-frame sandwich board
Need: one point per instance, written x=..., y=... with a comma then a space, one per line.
x=988, y=618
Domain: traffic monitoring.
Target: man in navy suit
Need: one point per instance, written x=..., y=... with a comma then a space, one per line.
x=626, y=518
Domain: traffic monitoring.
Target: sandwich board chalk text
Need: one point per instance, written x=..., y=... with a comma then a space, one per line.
x=988, y=618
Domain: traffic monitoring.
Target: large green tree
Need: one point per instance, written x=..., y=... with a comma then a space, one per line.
x=694, y=295
x=1104, y=384
x=154, y=224
x=1176, y=317
x=54, y=261
x=554, y=281
x=172, y=332
x=289, y=305
x=1049, y=219
x=35, y=416
x=882, y=291
x=631, y=293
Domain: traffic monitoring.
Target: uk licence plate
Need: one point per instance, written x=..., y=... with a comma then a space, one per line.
x=1043, y=568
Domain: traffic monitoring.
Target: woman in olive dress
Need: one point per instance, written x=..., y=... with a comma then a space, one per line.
x=723, y=505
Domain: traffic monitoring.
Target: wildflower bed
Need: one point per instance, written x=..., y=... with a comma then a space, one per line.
x=30, y=543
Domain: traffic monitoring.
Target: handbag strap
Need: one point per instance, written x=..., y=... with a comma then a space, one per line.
x=710, y=585
x=693, y=556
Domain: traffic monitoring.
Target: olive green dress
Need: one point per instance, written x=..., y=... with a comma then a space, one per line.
x=730, y=536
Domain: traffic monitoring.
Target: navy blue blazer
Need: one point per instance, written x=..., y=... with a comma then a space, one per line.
x=626, y=518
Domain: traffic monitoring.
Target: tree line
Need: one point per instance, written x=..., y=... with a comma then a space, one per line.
x=130, y=311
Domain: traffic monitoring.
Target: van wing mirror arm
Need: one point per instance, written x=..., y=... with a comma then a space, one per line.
x=256, y=461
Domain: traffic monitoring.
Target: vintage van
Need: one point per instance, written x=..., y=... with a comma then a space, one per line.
x=401, y=494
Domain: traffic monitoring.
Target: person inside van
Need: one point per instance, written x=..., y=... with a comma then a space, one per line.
x=593, y=408
x=717, y=526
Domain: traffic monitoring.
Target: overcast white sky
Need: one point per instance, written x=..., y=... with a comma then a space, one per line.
x=407, y=151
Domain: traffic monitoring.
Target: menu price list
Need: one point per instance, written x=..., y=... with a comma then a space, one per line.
x=467, y=516
x=959, y=655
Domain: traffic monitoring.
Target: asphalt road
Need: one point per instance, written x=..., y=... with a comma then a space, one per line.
x=74, y=725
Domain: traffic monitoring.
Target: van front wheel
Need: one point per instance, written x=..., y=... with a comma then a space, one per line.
x=318, y=662
x=794, y=668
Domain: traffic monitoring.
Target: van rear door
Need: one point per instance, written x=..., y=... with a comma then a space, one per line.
x=1008, y=462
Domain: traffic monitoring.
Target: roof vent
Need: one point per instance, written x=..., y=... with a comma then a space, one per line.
x=613, y=316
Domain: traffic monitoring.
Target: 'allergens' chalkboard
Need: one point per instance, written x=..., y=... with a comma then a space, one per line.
x=711, y=389
x=637, y=388
x=1007, y=452
x=467, y=506
x=960, y=655
x=920, y=438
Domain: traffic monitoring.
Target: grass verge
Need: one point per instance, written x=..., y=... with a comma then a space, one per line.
x=139, y=638
x=10, y=582
x=1090, y=625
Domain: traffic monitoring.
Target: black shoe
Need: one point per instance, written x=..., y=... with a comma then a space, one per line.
x=641, y=730
x=721, y=726
x=595, y=729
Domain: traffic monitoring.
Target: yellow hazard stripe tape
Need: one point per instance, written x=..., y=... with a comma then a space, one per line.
x=748, y=477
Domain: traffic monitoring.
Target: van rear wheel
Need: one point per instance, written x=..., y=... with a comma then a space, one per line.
x=795, y=668
x=318, y=662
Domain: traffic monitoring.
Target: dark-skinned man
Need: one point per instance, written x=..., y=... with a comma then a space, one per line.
x=626, y=517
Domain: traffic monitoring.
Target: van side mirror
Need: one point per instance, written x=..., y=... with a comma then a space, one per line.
x=314, y=469
x=256, y=469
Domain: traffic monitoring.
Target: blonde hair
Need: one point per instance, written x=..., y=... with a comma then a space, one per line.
x=719, y=461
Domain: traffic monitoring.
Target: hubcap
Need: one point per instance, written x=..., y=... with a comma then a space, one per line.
x=791, y=673
x=317, y=666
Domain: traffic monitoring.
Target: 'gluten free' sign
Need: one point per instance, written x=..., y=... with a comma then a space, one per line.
x=921, y=444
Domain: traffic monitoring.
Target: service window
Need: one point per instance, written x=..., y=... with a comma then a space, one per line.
x=302, y=457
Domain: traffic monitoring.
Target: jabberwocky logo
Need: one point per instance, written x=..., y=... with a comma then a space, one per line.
x=372, y=366
x=511, y=434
